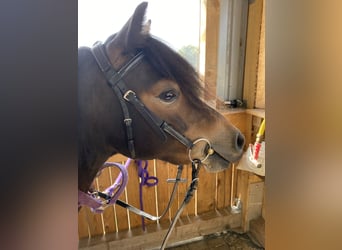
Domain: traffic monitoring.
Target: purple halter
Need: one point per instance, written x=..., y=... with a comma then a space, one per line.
x=98, y=201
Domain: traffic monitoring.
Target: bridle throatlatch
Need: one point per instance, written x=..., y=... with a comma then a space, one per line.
x=98, y=201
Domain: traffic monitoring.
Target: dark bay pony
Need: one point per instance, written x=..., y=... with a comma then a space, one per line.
x=150, y=80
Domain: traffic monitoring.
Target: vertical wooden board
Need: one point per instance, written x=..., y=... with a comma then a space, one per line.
x=206, y=191
x=182, y=190
x=121, y=213
x=82, y=224
x=108, y=213
x=252, y=52
x=212, y=30
x=235, y=184
x=163, y=188
x=191, y=207
x=148, y=195
x=263, y=210
x=249, y=127
x=228, y=186
x=219, y=193
x=133, y=193
x=255, y=198
x=221, y=188
x=260, y=92
x=94, y=222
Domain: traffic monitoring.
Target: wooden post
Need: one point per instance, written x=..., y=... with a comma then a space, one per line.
x=212, y=31
x=255, y=13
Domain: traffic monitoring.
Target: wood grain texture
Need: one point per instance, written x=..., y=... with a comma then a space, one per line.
x=260, y=91
x=212, y=31
x=252, y=52
x=83, y=224
x=94, y=222
x=163, y=189
x=206, y=192
x=191, y=227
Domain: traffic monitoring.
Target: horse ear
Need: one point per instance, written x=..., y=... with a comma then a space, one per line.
x=133, y=34
x=146, y=28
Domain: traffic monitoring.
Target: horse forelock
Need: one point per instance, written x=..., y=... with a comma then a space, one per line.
x=170, y=65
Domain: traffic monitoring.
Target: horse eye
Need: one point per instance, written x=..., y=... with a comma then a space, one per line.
x=168, y=96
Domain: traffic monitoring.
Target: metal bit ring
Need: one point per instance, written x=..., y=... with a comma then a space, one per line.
x=210, y=150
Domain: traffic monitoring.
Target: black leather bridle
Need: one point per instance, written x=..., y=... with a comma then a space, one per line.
x=115, y=81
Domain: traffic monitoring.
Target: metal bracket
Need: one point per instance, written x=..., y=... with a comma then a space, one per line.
x=173, y=180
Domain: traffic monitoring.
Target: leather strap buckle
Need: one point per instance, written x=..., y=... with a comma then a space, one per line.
x=129, y=92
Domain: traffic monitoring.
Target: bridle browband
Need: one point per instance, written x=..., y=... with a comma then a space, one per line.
x=115, y=81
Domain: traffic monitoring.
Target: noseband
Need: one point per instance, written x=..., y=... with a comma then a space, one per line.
x=115, y=81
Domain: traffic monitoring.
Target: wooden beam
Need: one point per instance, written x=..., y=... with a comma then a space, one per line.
x=256, y=112
x=187, y=228
x=255, y=12
x=260, y=91
x=252, y=52
x=211, y=45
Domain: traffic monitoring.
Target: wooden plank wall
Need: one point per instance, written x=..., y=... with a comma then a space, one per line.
x=213, y=193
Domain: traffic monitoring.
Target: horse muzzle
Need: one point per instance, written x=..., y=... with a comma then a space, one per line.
x=212, y=159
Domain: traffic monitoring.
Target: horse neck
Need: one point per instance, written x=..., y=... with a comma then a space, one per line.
x=101, y=129
x=93, y=151
x=96, y=147
x=89, y=164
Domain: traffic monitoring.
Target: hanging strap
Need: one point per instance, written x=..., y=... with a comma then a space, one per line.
x=196, y=164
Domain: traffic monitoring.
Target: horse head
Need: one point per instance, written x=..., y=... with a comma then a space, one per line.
x=165, y=85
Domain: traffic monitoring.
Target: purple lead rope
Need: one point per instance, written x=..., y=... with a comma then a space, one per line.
x=144, y=180
x=94, y=201
x=117, y=182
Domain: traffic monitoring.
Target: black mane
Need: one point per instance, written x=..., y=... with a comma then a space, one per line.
x=171, y=65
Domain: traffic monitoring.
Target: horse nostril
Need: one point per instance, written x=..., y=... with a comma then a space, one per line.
x=240, y=141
